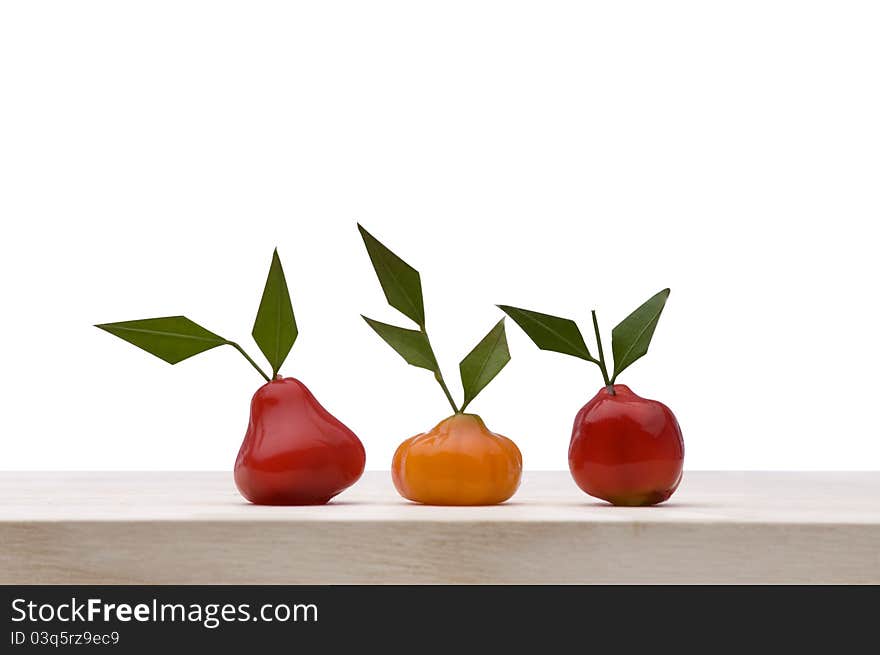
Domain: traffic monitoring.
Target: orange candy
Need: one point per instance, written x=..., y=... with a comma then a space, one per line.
x=459, y=462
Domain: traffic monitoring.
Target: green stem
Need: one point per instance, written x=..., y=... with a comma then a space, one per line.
x=608, y=383
x=439, y=376
x=247, y=357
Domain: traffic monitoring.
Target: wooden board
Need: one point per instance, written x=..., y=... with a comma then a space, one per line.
x=179, y=528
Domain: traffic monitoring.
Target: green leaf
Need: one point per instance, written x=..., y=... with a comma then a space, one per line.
x=170, y=338
x=400, y=281
x=484, y=362
x=275, y=327
x=632, y=336
x=412, y=345
x=559, y=335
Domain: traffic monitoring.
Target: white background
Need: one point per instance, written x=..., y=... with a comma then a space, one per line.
x=557, y=156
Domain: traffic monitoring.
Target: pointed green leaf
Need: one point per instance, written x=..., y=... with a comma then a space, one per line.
x=632, y=336
x=170, y=338
x=400, y=281
x=275, y=327
x=412, y=345
x=559, y=335
x=484, y=362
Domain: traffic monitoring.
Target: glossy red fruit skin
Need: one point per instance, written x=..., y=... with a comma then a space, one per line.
x=626, y=449
x=295, y=452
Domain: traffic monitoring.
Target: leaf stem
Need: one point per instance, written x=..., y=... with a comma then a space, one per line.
x=247, y=357
x=601, y=362
x=439, y=376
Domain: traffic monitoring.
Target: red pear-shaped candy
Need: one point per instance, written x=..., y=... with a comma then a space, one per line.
x=295, y=452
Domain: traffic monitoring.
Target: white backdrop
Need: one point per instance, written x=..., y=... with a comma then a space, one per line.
x=553, y=155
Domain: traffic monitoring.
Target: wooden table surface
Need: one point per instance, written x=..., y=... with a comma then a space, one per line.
x=193, y=528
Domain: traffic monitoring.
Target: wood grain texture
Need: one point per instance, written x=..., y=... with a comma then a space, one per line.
x=170, y=528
